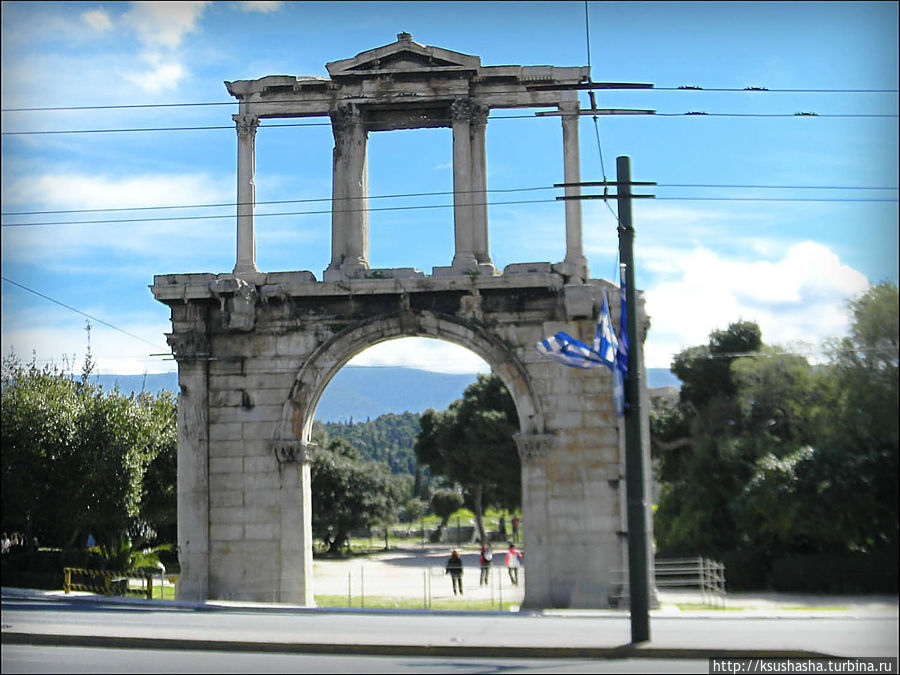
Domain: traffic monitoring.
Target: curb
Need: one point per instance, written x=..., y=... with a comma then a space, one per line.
x=620, y=652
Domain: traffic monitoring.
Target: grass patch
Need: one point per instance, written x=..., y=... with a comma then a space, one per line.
x=387, y=602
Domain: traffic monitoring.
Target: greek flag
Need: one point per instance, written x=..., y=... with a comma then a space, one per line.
x=567, y=350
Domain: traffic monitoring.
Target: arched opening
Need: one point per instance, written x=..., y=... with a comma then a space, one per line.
x=417, y=534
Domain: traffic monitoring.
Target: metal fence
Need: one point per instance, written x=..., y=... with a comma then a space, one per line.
x=106, y=582
x=698, y=573
x=427, y=587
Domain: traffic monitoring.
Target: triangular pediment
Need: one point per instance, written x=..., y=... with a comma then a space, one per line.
x=403, y=56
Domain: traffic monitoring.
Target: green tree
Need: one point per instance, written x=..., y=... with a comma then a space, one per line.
x=471, y=444
x=852, y=475
x=74, y=456
x=445, y=502
x=349, y=494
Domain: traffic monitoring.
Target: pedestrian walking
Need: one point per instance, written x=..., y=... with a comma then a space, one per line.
x=515, y=529
x=502, y=527
x=455, y=570
x=513, y=562
x=487, y=557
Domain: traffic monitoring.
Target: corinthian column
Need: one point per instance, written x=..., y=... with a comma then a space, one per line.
x=478, y=195
x=350, y=194
x=464, y=258
x=575, y=260
x=246, y=193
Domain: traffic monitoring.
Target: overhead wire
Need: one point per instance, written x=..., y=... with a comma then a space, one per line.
x=109, y=221
x=78, y=311
x=651, y=113
x=681, y=88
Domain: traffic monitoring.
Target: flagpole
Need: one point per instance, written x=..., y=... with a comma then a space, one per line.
x=638, y=558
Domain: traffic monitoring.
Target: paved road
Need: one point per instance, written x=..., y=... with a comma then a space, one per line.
x=31, y=659
x=148, y=624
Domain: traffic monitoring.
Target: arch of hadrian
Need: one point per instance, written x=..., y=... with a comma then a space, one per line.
x=255, y=350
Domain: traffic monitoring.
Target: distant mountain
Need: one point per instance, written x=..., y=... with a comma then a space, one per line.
x=363, y=392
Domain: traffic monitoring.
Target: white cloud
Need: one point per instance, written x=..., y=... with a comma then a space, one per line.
x=56, y=245
x=98, y=191
x=161, y=27
x=162, y=74
x=98, y=20
x=262, y=6
x=163, y=24
x=799, y=297
x=424, y=354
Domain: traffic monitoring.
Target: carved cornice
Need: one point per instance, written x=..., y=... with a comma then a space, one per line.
x=534, y=446
x=291, y=451
x=245, y=124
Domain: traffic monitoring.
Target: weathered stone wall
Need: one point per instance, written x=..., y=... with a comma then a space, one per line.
x=254, y=359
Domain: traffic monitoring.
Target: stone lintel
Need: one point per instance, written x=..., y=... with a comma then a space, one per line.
x=178, y=289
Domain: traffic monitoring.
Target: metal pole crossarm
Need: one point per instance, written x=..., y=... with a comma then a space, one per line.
x=605, y=197
x=589, y=85
x=598, y=111
x=602, y=183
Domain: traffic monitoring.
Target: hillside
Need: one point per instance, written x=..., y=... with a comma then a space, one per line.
x=359, y=393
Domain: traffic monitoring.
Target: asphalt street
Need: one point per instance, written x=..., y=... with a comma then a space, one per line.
x=593, y=634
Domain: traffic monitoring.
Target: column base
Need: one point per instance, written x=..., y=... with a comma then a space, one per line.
x=573, y=271
x=473, y=269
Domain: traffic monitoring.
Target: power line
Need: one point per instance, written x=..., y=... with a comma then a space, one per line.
x=438, y=206
x=279, y=201
x=442, y=193
x=651, y=113
x=78, y=311
x=682, y=88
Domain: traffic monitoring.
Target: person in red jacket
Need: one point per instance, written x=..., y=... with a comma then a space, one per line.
x=513, y=562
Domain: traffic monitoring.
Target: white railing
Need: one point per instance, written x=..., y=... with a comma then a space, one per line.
x=705, y=575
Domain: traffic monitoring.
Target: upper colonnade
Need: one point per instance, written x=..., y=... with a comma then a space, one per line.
x=406, y=85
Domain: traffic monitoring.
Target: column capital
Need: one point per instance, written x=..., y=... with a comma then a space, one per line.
x=461, y=109
x=534, y=446
x=569, y=107
x=345, y=116
x=292, y=451
x=245, y=124
x=188, y=346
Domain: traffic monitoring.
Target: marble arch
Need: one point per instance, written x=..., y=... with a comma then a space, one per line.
x=256, y=349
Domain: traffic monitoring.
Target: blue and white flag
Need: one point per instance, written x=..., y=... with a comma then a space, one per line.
x=607, y=350
x=567, y=350
x=606, y=344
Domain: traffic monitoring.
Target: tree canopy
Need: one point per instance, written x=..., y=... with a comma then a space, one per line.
x=769, y=453
x=471, y=444
x=75, y=456
x=349, y=494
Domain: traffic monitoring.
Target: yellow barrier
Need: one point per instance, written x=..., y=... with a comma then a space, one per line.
x=111, y=582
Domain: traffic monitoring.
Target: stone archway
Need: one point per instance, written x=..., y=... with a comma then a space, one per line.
x=331, y=356
x=256, y=349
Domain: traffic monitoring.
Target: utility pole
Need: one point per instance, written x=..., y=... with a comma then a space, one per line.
x=638, y=554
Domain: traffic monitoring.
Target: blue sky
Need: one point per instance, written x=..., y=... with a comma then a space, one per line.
x=789, y=265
